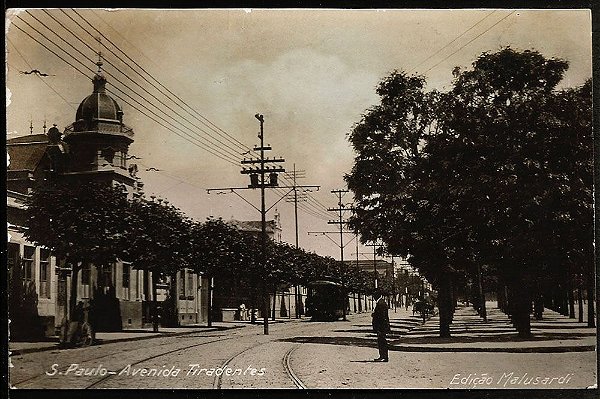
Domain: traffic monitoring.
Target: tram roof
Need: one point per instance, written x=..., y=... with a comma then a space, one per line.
x=325, y=282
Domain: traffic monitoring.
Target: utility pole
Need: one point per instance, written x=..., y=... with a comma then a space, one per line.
x=340, y=210
x=297, y=174
x=257, y=180
x=374, y=245
x=263, y=212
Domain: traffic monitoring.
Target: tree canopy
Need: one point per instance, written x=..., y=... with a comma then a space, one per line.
x=495, y=172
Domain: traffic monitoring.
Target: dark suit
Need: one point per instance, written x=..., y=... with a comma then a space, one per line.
x=381, y=325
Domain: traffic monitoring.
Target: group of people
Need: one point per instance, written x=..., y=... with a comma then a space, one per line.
x=243, y=312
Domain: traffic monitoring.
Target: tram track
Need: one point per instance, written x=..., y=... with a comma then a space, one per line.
x=218, y=380
x=285, y=361
x=117, y=352
x=288, y=368
x=249, y=348
x=108, y=376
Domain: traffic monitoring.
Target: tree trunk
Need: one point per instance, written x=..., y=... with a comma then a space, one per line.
x=538, y=302
x=538, y=305
x=253, y=307
x=564, y=298
x=359, y=303
x=590, y=301
x=344, y=302
x=209, y=301
x=571, y=302
x=74, y=284
x=274, y=305
x=482, y=308
x=445, y=302
x=154, y=304
x=454, y=297
x=297, y=301
x=521, y=305
x=174, y=309
x=282, y=309
x=580, y=302
x=501, y=297
x=506, y=303
x=266, y=304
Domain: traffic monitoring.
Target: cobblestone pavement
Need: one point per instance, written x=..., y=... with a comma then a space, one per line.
x=304, y=354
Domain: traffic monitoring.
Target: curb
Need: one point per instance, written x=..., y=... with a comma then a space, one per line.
x=24, y=351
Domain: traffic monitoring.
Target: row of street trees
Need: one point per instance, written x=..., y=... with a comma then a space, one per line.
x=492, y=178
x=96, y=224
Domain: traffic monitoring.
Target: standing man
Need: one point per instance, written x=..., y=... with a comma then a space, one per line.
x=381, y=325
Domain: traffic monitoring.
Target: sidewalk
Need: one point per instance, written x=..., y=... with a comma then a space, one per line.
x=51, y=343
x=554, y=333
x=561, y=349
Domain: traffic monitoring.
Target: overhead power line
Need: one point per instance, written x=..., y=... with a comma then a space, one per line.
x=188, y=108
x=170, y=128
x=450, y=42
x=39, y=77
x=206, y=141
x=472, y=40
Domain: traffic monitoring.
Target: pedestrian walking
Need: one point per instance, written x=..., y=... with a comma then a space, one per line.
x=381, y=325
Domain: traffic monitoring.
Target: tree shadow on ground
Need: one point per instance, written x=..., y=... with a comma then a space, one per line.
x=561, y=327
x=395, y=331
x=531, y=349
x=345, y=341
x=371, y=343
x=430, y=338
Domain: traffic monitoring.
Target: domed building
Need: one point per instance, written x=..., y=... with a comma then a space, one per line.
x=98, y=139
x=93, y=148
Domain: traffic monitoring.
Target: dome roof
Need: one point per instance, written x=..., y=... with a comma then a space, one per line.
x=99, y=105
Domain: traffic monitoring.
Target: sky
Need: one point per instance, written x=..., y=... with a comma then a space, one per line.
x=311, y=73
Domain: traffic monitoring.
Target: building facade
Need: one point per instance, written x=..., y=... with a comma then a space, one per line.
x=93, y=148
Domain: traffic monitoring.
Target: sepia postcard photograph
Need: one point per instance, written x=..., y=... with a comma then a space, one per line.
x=204, y=199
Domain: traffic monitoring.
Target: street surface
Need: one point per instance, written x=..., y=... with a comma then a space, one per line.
x=305, y=354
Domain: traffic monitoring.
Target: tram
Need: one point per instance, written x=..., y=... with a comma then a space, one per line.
x=325, y=301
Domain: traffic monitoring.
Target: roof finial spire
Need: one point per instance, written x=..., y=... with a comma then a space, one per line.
x=30, y=126
x=99, y=63
x=44, y=125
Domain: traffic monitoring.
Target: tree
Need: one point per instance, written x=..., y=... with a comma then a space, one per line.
x=81, y=223
x=156, y=236
x=220, y=250
x=478, y=176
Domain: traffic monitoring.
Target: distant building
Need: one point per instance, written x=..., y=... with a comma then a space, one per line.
x=385, y=269
x=273, y=227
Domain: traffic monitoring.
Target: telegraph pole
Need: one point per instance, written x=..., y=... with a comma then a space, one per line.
x=296, y=296
x=257, y=180
x=263, y=212
x=374, y=245
x=341, y=209
x=297, y=174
